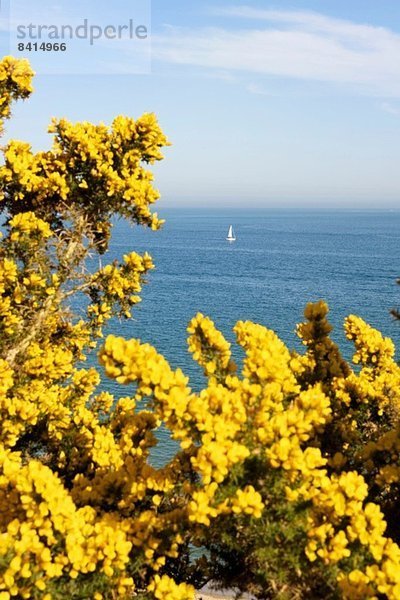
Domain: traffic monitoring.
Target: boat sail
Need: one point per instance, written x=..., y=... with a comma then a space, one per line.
x=231, y=234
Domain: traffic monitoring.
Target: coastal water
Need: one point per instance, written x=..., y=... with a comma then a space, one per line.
x=280, y=261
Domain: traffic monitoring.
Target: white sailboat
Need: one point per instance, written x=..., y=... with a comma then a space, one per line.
x=231, y=234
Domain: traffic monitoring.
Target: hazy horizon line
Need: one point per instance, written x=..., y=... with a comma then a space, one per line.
x=215, y=204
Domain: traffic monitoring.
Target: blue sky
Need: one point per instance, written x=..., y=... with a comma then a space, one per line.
x=266, y=104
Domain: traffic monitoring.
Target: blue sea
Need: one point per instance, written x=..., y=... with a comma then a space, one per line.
x=280, y=261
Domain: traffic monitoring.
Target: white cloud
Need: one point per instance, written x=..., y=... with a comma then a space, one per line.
x=255, y=88
x=391, y=109
x=291, y=44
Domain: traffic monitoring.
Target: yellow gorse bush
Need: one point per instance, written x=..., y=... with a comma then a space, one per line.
x=287, y=471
